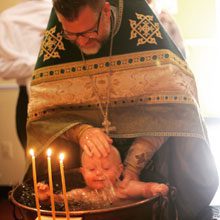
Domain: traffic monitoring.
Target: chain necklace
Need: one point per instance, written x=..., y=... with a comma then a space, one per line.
x=104, y=106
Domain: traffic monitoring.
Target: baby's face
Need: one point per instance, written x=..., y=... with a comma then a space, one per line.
x=100, y=172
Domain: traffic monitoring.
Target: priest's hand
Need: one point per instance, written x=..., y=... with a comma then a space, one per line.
x=95, y=142
x=128, y=175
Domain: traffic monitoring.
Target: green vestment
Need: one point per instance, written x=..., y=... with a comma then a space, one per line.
x=153, y=93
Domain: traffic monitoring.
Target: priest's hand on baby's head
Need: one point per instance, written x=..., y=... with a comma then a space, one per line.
x=95, y=142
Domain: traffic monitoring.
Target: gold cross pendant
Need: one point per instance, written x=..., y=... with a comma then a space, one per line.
x=107, y=126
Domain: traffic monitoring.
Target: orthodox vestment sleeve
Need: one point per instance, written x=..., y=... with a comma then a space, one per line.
x=141, y=152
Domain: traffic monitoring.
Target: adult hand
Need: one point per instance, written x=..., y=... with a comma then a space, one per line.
x=95, y=142
x=133, y=189
x=142, y=189
x=159, y=189
x=128, y=175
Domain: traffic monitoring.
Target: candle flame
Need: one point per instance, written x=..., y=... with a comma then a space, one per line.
x=49, y=152
x=61, y=157
x=31, y=152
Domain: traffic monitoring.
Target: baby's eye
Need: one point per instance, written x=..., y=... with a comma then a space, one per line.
x=91, y=169
x=106, y=168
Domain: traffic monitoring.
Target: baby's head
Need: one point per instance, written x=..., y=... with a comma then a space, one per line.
x=100, y=172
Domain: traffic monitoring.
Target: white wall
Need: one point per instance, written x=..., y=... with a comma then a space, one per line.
x=12, y=159
x=201, y=31
x=203, y=59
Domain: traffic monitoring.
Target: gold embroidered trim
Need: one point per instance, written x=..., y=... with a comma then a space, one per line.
x=157, y=99
x=101, y=65
x=160, y=134
x=145, y=29
x=51, y=44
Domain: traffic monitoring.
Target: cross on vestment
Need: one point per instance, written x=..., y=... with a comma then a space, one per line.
x=107, y=126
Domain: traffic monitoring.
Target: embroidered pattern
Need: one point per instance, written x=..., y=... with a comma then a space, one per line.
x=51, y=44
x=145, y=29
x=100, y=65
x=140, y=159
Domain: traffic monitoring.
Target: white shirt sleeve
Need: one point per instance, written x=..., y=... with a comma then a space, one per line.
x=22, y=28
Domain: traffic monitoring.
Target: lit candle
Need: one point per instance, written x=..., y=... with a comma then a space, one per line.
x=64, y=186
x=35, y=184
x=49, y=152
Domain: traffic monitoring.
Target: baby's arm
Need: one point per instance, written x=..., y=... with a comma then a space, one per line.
x=135, y=189
x=44, y=193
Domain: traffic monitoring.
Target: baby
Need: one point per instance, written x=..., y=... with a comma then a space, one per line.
x=102, y=177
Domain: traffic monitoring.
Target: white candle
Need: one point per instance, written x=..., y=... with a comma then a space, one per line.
x=49, y=152
x=35, y=184
x=64, y=187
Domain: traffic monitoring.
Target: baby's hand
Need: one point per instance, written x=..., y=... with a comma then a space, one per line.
x=43, y=191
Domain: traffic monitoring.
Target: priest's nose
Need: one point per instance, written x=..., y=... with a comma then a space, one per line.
x=82, y=41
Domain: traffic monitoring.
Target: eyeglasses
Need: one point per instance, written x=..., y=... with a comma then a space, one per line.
x=88, y=34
